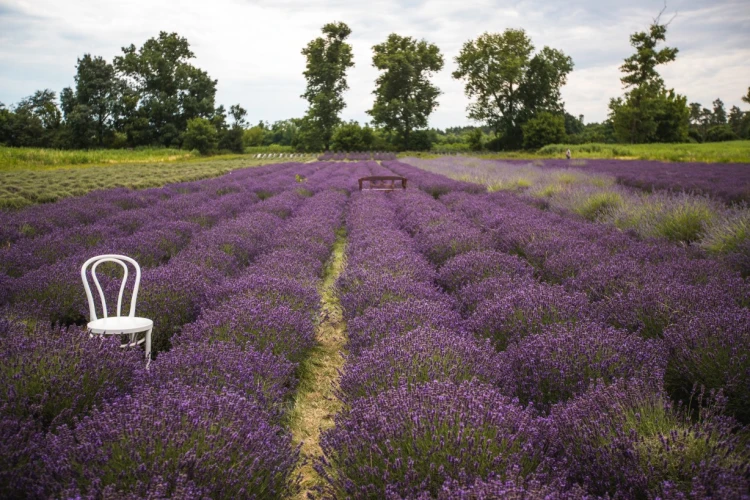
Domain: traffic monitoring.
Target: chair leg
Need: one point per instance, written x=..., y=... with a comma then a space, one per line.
x=148, y=347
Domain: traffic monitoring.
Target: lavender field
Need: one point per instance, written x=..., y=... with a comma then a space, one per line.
x=438, y=342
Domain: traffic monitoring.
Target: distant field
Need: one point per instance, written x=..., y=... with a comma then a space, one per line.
x=44, y=176
x=714, y=152
x=37, y=158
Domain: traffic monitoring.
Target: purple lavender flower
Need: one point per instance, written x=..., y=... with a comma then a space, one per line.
x=258, y=376
x=215, y=445
x=52, y=376
x=524, y=311
x=712, y=349
x=410, y=440
x=424, y=355
x=396, y=319
x=475, y=266
x=628, y=440
x=565, y=360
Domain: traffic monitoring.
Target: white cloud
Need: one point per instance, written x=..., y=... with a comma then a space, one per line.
x=253, y=47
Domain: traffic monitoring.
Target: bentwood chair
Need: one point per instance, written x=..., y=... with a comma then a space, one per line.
x=130, y=325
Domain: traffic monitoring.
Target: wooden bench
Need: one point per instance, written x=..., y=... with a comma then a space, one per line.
x=381, y=183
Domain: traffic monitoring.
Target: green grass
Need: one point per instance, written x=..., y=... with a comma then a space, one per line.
x=713, y=152
x=45, y=176
x=25, y=158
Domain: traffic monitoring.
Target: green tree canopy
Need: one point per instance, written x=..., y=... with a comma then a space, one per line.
x=328, y=58
x=508, y=83
x=352, y=137
x=649, y=112
x=170, y=91
x=404, y=95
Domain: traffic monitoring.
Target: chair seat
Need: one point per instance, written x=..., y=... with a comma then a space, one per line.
x=120, y=324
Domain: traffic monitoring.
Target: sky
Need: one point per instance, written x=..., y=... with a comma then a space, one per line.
x=253, y=47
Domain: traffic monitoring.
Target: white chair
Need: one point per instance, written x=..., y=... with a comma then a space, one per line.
x=131, y=324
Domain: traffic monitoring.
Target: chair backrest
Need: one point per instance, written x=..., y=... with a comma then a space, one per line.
x=118, y=259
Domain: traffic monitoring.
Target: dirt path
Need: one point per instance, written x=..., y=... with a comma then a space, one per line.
x=316, y=403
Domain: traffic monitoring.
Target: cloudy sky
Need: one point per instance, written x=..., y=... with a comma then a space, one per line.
x=253, y=46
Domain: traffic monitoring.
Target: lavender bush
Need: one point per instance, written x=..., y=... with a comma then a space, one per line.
x=197, y=441
x=712, y=350
x=257, y=376
x=424, y=355
x=565, y=360
x=52, y=376
x=408, y=441
x=628, y=440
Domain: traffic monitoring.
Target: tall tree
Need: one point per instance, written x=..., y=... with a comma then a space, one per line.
x=508, y=84
x=719, y=113
x=404, y=95
x=96, y=99
x=328, y=58
x=746, y=97
x=637, y=117
x=170, y=90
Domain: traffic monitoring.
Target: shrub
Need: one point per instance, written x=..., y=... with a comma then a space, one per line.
x=597, y=204
x=712, y=350
x=545, y=128
x=478, y=265
x=409, y=441
x=52, y=376
x=184, y=441
x=201, y=135
x=395, y=319
x=524, y=311
x=251, y=322
x=425, y=355
x=260, y=377
x=565, y=360
x=628, y=440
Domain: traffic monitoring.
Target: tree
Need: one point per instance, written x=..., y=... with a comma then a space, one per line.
x=98, y=89
x=739, y=122
x=475, y=138
x=238, y=114
x=507, y=84
x=719, y=114
x=36, y=120
x=328, y=58
x=545, y=128
x=201, y=134
x=404, y=95
x=170, y=91
x=253, y=136
x=648, y=110
x=352, y=137
x=746, y=97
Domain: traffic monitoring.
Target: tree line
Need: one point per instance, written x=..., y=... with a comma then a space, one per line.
x=155, y=96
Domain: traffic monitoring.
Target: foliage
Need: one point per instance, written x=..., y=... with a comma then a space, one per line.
x=649, y=112
x=543, y=129
x=404, y=95
x=352, y=137
x=327, y=61
x=200, y=135
x=508, y=85
x=168, y=90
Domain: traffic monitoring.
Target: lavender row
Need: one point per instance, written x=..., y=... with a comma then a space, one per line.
x=232, y=445
x=557, y=357
x=145, y=229
x=97, y=206
x=729, y=181
x=421, y=414
x=172, y=294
